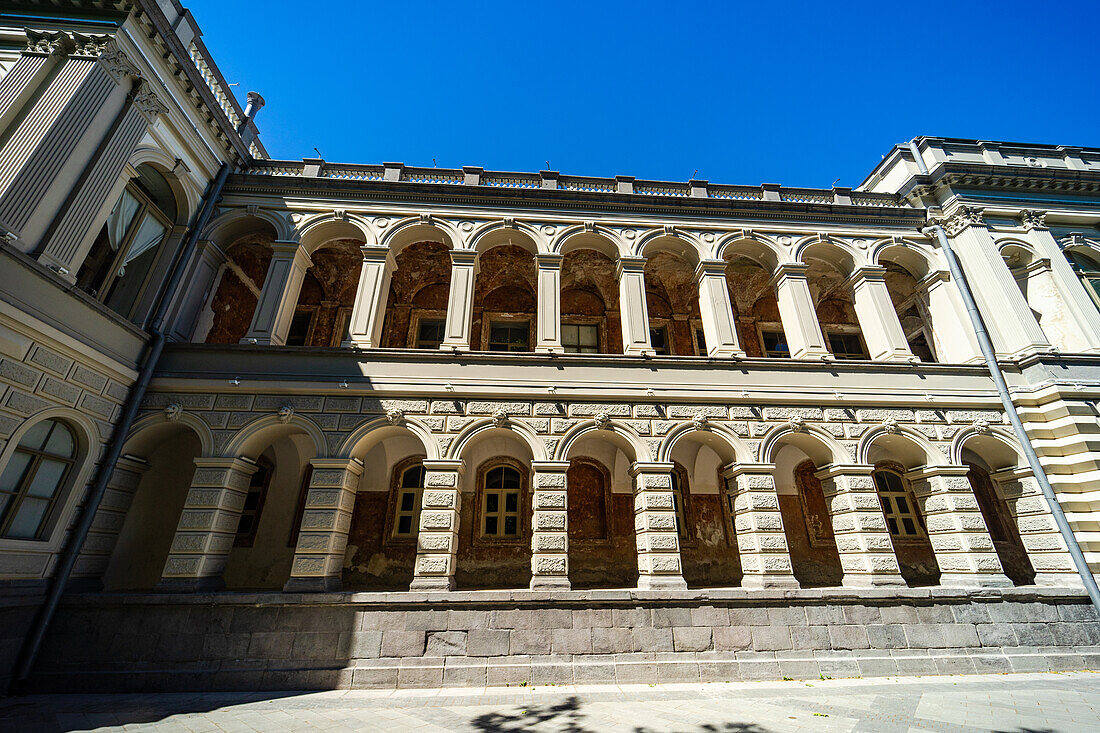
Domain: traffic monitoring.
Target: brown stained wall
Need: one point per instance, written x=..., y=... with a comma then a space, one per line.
x=590, y=289
x=602, y=550
x=371, y=564
x=420, y=282
x=506, y=285
x=831, y=296
x=491, y=564
x=753, y=301
x=673, y=298
x=234, y=302
x=709, y=555
x=809, y=531
x=1002, y=528
x=330, y=285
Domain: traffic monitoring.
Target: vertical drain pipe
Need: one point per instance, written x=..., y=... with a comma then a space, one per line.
x=990, y=356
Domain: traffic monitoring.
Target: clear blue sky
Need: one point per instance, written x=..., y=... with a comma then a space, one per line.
x=786, y=92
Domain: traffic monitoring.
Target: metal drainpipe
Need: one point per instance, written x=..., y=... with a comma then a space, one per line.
x=32, y=645
x=990, y=356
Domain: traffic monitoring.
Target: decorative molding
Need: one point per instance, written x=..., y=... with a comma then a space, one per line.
x=962, y=218
x=285, y=413
x=395, y=416
x=48, y=43
x=602, y=420
x=500, y=418
x=891, y=426
x=1031, y=219
x=148, y=103
x=95, y=46
x=796, y=423
x=173, y=411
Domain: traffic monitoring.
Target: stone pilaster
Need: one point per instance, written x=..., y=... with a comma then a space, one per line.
x=878, y=320
x=279, y=297
x=859, y=526
x=369, y=311
x=550, y=525
x=207, y=526
x=548, y=318
x=460, y=301
x=44, y=51
x=716, y=310
x=326, y=518
x=655, y=527
x=632, y=306
x=95, y=554
x=758, y=523
x=1081, y=319
x=437, y=540
x=964, y=550
x=953, y=337
x=1046, y=549
x=797, y=311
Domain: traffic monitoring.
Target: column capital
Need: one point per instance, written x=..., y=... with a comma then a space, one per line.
x=716, y=268
x=629, y=264
x=845, y=469
x=549, y=466
x=788, y=271
x=733, y=470
x=147, y=102
x=377, y=253
x=341, y=464
x=48, y=43
x=465, y=258
x=1014, y=473
x=923, y=472
x=962, y=218
x=866, y=273
x=639, y=467
x=933, y=279
x=548, y=260
x=241, y=464
x=1033, y=219
x=449, y=464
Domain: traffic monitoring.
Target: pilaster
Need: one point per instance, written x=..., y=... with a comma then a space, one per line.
x=279, y=297
x=758, y=523
x=955, y=342
x=1046, y=549
x=369, y=311
x=44, y=52
x=460, y=301
x=550, y=526
x=95, y=554
x=632, y=306
x=878, y=319
x=548, y=318
x=655, y=527
x=323, y=536
x=797, y=311
x=1082, y=327
x=437, y=540
x=719, y=328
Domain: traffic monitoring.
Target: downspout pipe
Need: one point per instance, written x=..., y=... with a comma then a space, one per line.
x=990, y=356
x=32, y=645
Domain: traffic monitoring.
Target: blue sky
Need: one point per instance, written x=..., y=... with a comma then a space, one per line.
x=801, y=94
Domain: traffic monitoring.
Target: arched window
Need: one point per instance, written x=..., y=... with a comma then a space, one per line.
x=410, y=488
x=500, y=503
x=118, y=265
x=1089, y=272
x=902, y=516
x=31, y=483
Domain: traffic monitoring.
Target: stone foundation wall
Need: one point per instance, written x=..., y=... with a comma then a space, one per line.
x=286, y=641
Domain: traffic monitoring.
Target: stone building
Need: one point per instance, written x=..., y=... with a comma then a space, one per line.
x=303, y=424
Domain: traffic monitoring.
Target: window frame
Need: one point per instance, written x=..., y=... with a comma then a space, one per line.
x=312, y=310
x=249, y=540
x=340, y=325
x=601, y=331
x=60, y=493
x=921, y=534
x=844, y=330
x=391, y=537
x=684, y=515
x=771, y=327
x=661, y=324
x=1085, y=278
x=488, y=318
x=418, y=315
x=522, y=537
x=697, y=332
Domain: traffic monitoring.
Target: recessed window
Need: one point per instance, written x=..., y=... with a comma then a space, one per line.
x=406, y=520
x=341, y=333
x=509, y=336
x=298, y=333
x=897, y=505
x=429, y=333
x=846, y=345
x=253, y=505
x=678, y=503
x=31, y=483
x=500, y=503
x=775, y=344
x=1088, y=272
x=700, y=342
x=579, y=338
x=658, y=339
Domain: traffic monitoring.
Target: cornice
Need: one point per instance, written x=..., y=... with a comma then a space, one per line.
x=1002, y=177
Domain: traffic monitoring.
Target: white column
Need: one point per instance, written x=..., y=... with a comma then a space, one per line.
x=758, y=524
x=719, y=327
x=43, y=53
x=326, y=519
x=953, y=337
x=655, y=527
x=279, y=297
x=862, y=538
x=1082, y=326
x=460, y=301
x=632, y=306
x=369, y=311
x=797, y=311
x=437, y=539
x=548, y=318
x=878, y=320
x=550, y=526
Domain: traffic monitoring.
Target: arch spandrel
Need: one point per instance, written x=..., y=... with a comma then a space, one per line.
x=508, y=232
x=618, y=434
x=596, y=237
x=251, y=439
x=373, y=431
x=479, y=430
x=904, y=445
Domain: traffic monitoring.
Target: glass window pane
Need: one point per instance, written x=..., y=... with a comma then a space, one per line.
x=136, y=265
x=413, y=478
x=910, y=527
x=569, y=335
x=903, y=505
x=495, y=478
x=404, y=525
x=511, y=502
x=510, y=526
x=589, y=335
x=35, y=438
x=492, y=502
x=60, y=443
x=429, y=333
x=13, y=472
x=46, y=478
x=299, y=328
x=122, y=216
x=509, y=478
x=407, y=501
x=28, y=517
x=893, y=525
x=490, y=525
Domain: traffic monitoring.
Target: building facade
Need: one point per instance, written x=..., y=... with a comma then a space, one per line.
x=418, y=426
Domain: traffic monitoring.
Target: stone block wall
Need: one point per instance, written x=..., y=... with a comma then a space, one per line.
x=496, y=638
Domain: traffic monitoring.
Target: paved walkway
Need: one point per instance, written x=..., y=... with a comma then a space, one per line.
x=1022, y=703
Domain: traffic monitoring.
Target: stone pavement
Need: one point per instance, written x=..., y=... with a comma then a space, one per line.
x=1019, y=703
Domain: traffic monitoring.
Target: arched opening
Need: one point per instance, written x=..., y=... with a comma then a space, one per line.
x=494, y=536
x=807, y=523
x=323, y=312
x=238, y=289
x=600, y=504
x=590, y=321
x=166, y=455
x=904, y=269
x=129, y=249
x=385, y=522
x=505, y=300
x=749, y=268
x=672, y=298
x=35, y=479
x=1036, y=282
x=416, y=309
x=828, y=271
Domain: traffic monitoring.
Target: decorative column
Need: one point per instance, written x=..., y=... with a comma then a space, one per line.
x=632, y=306
x=955, y=342
x=550, y=523
x=719, y=328
x=956, y=528
x=44, y=51
x=326, y=519
x=95, y=554
x=878, y=320
x=655, y=527
x=56, y=134
x=369, y=311
x=859, y=526
x=548, y=318
x=279, y=297
x=1082, y=327
x=796, y=310
x=460, y=301
x=208, y=525
x=1046, y=549
x=758, y=523
x=437, y=540
x=1006, y=314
